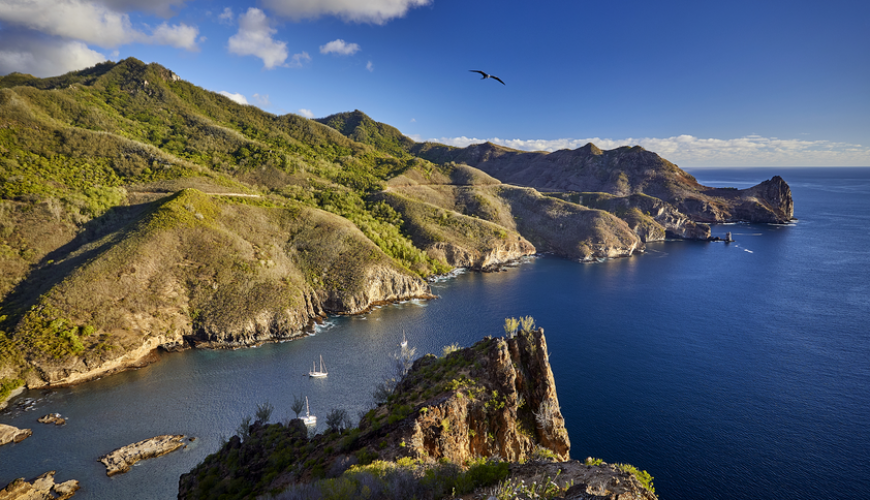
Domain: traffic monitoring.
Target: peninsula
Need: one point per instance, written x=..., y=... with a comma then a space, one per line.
x=140, y=212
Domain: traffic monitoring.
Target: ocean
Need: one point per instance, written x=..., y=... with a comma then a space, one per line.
x=726, y=370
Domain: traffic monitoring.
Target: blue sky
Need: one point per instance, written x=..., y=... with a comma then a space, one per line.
x=760, y=83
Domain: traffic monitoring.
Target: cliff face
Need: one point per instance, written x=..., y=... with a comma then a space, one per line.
x=504, y=404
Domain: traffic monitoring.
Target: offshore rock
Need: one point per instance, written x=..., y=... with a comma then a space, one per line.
x=52, y=418
x=42, y=488
x=10, y=434
x=120, y=460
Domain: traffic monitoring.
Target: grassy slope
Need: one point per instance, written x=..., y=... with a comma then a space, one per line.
x=91, y=159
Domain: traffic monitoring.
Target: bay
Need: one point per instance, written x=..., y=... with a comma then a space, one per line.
x=736, y=370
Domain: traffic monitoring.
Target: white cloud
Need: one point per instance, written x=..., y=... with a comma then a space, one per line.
x=255, y=39
x=339, y=47
x=370, y=66
x=226, y=17
x=41, y=56
x=92, y=23
x=306, y=113
x=693, y=151
x=368, y=11
x=239, y=98
x=180, y=36
x=298, y=60
x=262, y=100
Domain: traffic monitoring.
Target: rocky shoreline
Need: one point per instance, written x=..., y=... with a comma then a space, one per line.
x=10, y=434
x=42, y=488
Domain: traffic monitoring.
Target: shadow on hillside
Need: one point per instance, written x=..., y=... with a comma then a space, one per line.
x=96, y=236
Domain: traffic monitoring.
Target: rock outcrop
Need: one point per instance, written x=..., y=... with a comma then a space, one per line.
x=503, y=403
x=496, y=398
x=42, y=488
x=10, y=434
x=120, y=460
x=52, y=418
x=590, y=482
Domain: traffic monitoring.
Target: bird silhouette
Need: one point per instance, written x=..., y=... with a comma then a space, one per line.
x=486, y=75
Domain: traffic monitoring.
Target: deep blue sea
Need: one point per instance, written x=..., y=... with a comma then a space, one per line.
x=727, y=371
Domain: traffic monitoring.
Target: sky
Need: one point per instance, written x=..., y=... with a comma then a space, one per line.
x=739, y=83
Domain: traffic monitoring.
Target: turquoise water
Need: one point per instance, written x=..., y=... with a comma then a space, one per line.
x=735, y=370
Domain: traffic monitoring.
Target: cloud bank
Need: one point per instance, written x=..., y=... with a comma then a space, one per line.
x=43, y=56
x=368, y=11
x=51, y=37
x=693, y=151
x=92, y=23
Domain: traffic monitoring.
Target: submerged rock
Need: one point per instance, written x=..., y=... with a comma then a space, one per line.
x=120, y=460
x=42, y=488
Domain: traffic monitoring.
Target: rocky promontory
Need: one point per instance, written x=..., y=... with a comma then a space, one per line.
x=10, y=434
x=42, y=488
x=120, y=460
x=467, y=420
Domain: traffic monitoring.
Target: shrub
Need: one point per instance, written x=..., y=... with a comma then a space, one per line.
x=643, y=476
x=264, y=412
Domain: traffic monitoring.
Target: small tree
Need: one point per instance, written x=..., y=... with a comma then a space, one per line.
x=510, y=327
x=527, y=323
x=338, y=419
x=264, y=411
x=298, y=405
x=244, y=429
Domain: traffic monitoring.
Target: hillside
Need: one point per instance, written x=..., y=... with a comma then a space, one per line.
x=622, y=172
x=138, y=211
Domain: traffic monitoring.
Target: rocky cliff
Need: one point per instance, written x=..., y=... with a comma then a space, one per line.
x=496, y=398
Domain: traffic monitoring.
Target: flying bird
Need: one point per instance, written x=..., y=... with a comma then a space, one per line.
x=485, y=75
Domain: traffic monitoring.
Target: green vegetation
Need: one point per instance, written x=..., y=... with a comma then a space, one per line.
x=9, y=385
x=643, y=476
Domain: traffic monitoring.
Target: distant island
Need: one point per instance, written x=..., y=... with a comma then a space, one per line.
x=140, y=212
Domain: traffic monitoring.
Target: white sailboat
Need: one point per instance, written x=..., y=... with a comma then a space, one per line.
x=404, y=343
x=318, y=373
x=308, y=419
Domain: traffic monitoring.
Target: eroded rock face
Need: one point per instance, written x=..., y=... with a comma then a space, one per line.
x=470, y=258
x=42, y=488
x=502, y=402
x=10, y=434
x=120, y=460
